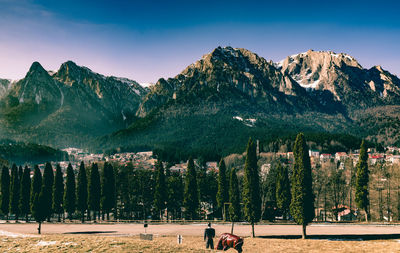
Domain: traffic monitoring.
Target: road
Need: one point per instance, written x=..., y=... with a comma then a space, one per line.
x=130, y=229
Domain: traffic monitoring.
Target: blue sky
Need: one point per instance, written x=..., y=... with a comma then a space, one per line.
x=146, y=40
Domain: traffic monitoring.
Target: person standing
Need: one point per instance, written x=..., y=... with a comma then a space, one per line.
x=209, y=234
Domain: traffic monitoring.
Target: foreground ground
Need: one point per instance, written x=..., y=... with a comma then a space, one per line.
x=90, y=243
x=197, y=229
x=124, y=238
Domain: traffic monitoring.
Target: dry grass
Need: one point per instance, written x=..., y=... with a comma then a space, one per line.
x=90, y=243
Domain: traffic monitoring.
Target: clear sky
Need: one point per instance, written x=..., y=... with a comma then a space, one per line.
x=146, y=40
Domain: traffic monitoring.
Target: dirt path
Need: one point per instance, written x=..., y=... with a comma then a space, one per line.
x=197, y=229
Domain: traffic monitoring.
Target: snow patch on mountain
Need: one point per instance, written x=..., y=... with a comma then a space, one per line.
x=123, y=115
x=38, y=98
x=248, y=122
x=145, y=85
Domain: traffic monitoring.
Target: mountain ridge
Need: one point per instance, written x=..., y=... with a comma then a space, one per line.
x=312, y=91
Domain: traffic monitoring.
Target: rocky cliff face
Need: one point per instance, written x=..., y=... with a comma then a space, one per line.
x=229, y=73
x=37, y=87
x=343, y=77
x=54, y=106
x=229, y=92
x=4, y=87
x=118, y=97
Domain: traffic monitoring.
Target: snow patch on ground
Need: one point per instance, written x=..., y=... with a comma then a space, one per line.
x=14, y=235
x=69, y=243
x=45, y=243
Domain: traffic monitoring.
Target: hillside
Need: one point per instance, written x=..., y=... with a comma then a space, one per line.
x=67, y=108
x=21, y=153
x=211, y=107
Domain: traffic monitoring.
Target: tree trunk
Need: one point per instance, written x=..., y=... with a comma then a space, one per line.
x=108, y=216
x=26, y=218
x=59, y=217
x=83, y=216
x=304, y=234
x=39, y=228
x=366, y=216
x=252, y=230
x=233, y=224
x=16, y=218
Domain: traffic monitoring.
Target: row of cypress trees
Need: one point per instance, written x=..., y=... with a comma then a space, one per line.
x=229, y=193
x=94, y=193
x=46, y=194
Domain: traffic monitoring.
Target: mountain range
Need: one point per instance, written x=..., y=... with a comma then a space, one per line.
x=213, y=105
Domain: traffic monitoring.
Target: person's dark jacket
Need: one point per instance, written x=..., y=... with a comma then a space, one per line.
x=209, y=233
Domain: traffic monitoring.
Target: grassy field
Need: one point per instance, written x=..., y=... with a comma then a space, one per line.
x=91, y=243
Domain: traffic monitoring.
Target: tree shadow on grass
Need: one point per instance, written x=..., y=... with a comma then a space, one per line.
x=353, y=237
x=89, y=232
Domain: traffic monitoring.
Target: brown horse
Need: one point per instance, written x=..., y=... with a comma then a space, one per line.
x=227, y=241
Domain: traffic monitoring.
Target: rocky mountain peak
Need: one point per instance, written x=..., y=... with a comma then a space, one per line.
x=5, y=85
x=378, y=68
x=69, y=72
x=226, y=74
x=319, y=59
x=36, y=69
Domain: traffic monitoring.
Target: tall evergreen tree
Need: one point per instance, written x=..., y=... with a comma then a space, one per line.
x=302, y=204
x=234, y=198
x=15, y=191
x=191, y=193
x=362, y=179
x=104, y=190
x=94, y=190
x=175, y=194
x=39, y=207
x=82, y=191
x=58, y=192
x=20, y=173
x=207, y=182
x=36, y=185
x=70, y=193
x=268, y=185
x=108, y=190
x=283, y=196
x=113, y=190
x=48, y=181
x=160, y=190
x=223, y=188
x=24, y=202
x=5, y=191
x=124, y=181
x=251, y=187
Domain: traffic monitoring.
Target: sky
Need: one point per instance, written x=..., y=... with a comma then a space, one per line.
x=147, y=40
